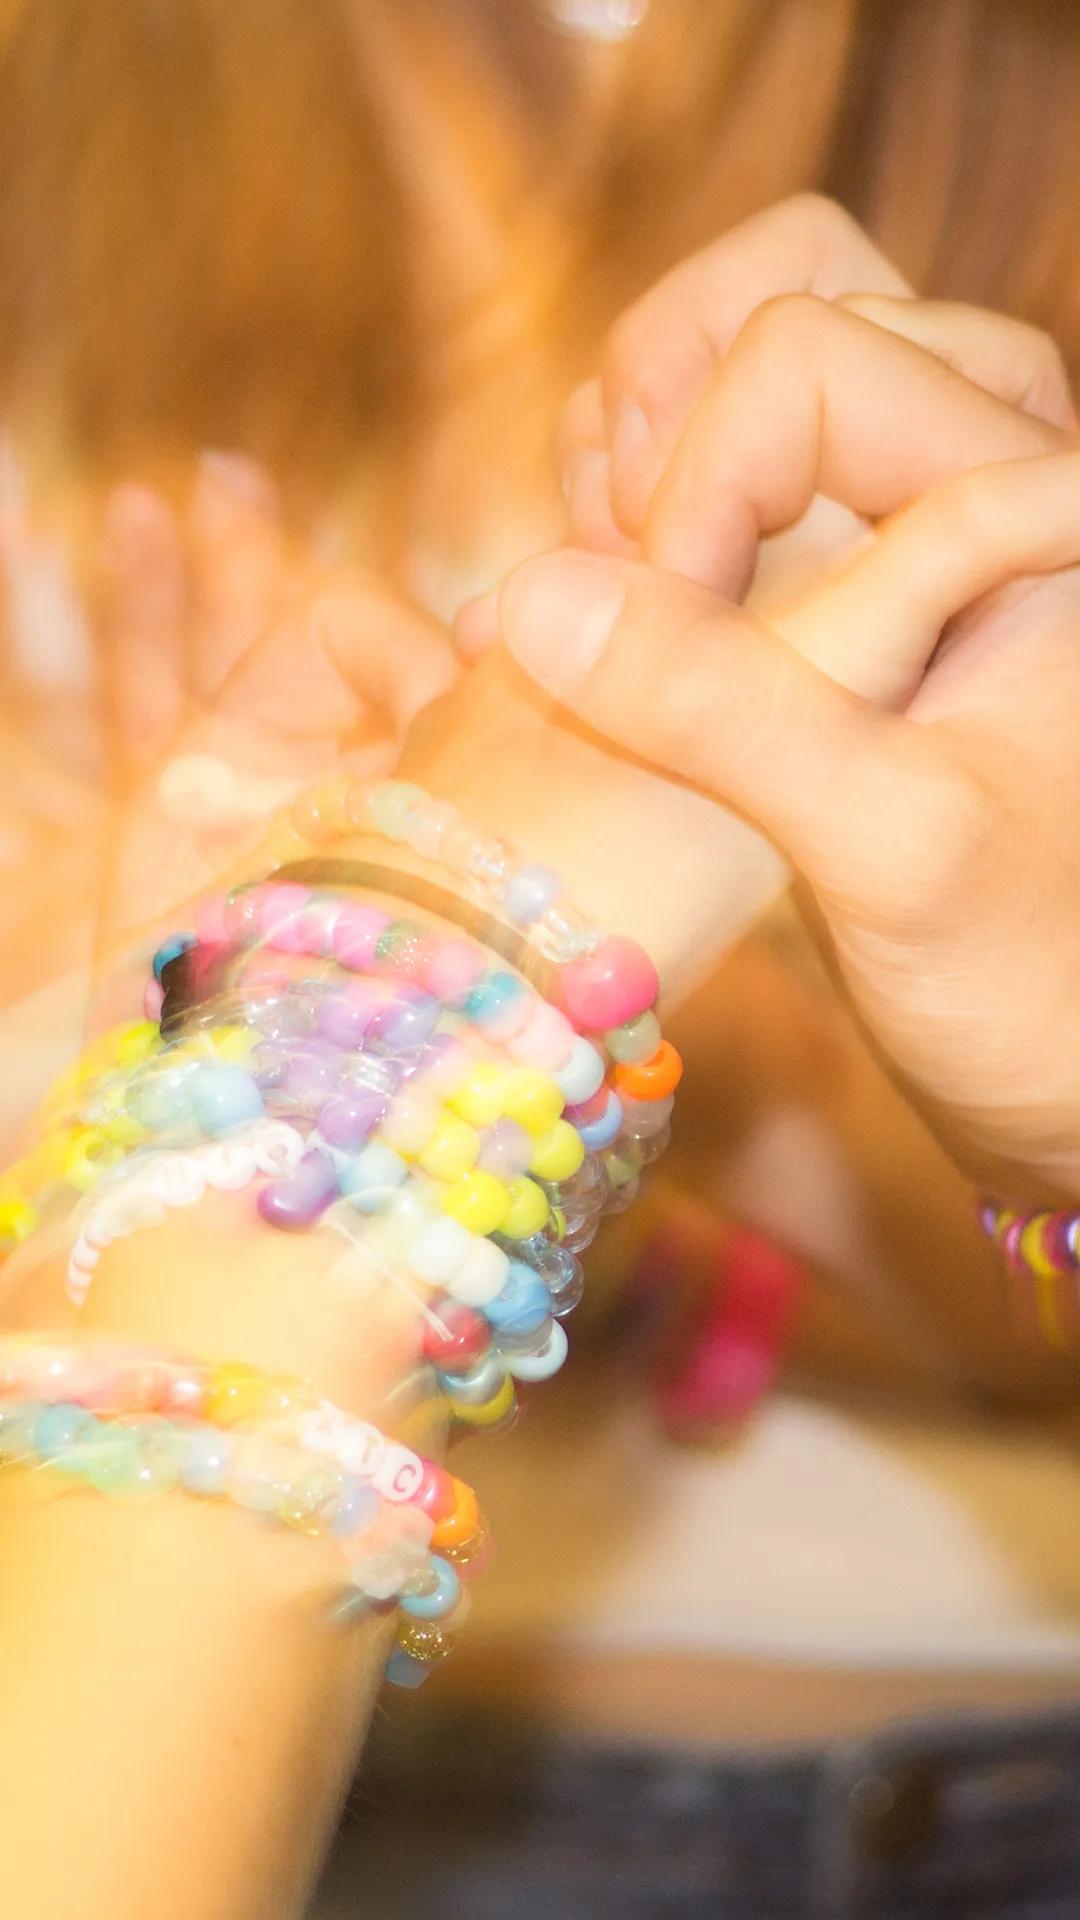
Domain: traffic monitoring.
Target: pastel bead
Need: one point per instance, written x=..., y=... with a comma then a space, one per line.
x=153, y=1000
x=87, y=1155
x=281, y=912
x=372, y=1177
x=545, y=1040
x=350, y=1115
x=390, y=804
x=583, y=1114
x=455, y=1336
x=480, y=1095
x=426, y=826
x=410, y=1122
x=528, y=1211
x=483, y=1275
x=312, y=1071
x=225, y=1097
x=235, y=1393
x=530, y=892
x=479, y=1201
x=435, y=1496
x=358, y=1509
x=210, y=924
x=532, y=1099
x=545, y=1361
x=488, y=1413
x=506, y=1149
x=170, y=949
x=357, y=934
x=498, y=1006
x=405, y=1023
x=454, y=968
x=583, y=1074
x=298, y=1200
x=478, y=1384
x=60, y=1428
x=606, y=988
x=637, y=1040
x=523, y=1305
x=442, y=1599
x=651, y=1079
x=207, y=1462
x=600, y=1133
x=453, y=1148
x=344, y=1018
x=439, y=1251
x=135, y=1461
x=405, y=1672
x=558, y=1154
x=403, y=951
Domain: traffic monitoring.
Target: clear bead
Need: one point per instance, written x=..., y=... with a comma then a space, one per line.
x=563, y=934
x=576, y=1239
x=654, y=1145
x=427, y=826
x=489, y=868
x=564, y=1276
x=623, y=1197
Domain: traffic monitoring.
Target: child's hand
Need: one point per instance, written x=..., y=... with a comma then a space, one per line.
x=921, y=771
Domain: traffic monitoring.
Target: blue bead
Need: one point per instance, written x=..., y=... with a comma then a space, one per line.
x=163, y=1099
x=60, y=1428
x=226, y=1097
x=601, y=1133
x=171, y=949
x=435, y=1606
x=491, y=997
x=403, y=1671
x=358, y=1508
x=524, y=1303
x=370, y=1179
x=529, y=894
x=207, y=1461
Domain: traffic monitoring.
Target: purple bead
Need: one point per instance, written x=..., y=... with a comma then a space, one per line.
x=312, y=1071
x=350, y=1115
x=345, y=1018
x=298, y=1200
x=407, y=1022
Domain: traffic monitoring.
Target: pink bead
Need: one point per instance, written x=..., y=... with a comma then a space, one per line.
x=454, y=970
x=589, y=1110
x=545, y=1040
x=609, y=987
x=281, y=917
x=210, y=921
x=153, y=1000
x=357, y=934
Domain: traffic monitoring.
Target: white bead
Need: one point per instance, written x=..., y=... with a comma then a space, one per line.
x=439, y=1251
x=399, y=1473
x=229, y=1164
x=361, y=1449
x=279, y=1148
x=482, y=1276
x=178, y=1181
x=583, y=1074
x=540, y=1366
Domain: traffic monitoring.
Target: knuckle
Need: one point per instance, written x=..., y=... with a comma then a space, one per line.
x=820, y=215
x=953, y=834
x=784, y=320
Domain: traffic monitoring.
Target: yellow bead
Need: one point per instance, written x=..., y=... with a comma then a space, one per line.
x=479, y=1096
x=116, y=1123
x=479, y=1201
x=491, y=1412
x=529, y=1209
x=558, y=1154
x=18, y=1218
x=136, y=1042
x=235, y=1392
x=235, y=1045
x=454, y=1147
x=88, y=1154
x=533, y=1100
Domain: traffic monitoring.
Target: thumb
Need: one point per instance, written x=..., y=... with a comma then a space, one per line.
x=700, y=687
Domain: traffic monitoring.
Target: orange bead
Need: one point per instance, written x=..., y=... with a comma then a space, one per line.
x=650, y=1079
x=463, y=1524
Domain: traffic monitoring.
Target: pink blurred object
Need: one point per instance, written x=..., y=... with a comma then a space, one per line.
x=740, y=1339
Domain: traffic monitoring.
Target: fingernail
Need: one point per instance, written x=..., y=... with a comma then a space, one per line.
x=229, y=488
x=633, y=461
x=557, y=616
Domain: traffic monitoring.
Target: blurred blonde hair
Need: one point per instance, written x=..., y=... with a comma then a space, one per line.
x=211, y=211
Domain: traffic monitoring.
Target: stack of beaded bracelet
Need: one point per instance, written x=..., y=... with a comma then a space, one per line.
x=365, y=1069
x=1041, y=1248
x=137, y=1424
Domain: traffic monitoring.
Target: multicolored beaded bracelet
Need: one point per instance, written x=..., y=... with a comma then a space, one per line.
x=136, y=1424
x=1041, y=1247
